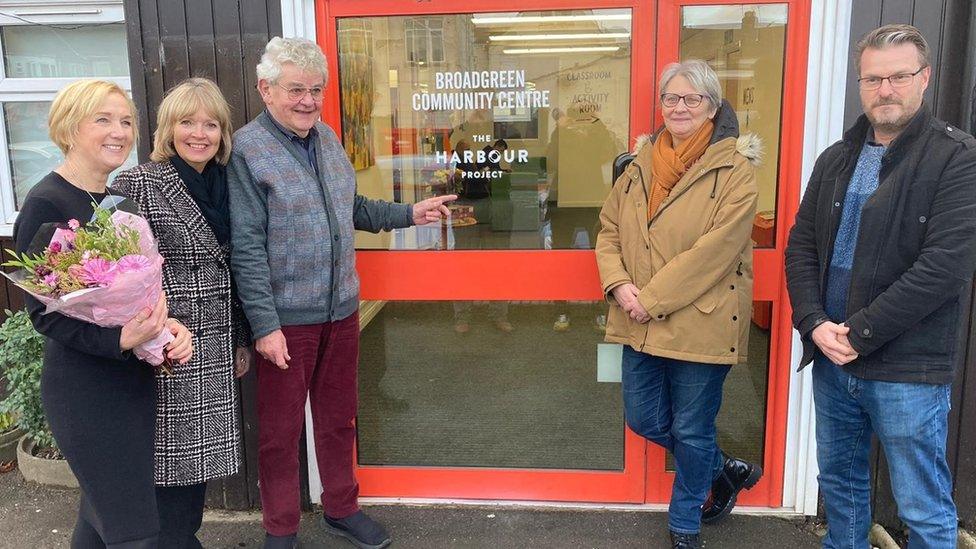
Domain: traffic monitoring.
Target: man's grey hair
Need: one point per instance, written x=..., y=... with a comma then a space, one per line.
x=892, y=35
x=302, y=53
x=699, y=75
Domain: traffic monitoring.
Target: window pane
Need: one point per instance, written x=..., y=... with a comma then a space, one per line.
x=31, y=153
x=746, y=45
x=555, y=88
x=741, y=423
x=31, y=51
x=523, y=394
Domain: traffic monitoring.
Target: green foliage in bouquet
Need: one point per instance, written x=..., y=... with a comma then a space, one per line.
x=110, y=240
x=21, y=354
x=62, y=267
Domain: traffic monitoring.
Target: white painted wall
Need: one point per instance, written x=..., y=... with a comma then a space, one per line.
x=298, y=19
x=830, y=29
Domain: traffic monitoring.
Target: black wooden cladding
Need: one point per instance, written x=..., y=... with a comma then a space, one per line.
x=170, y=41
x=946, y=26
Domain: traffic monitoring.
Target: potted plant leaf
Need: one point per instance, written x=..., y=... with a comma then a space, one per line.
x=21, y=354
x=10, y=433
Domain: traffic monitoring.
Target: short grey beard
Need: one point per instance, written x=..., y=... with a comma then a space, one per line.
x=889, y=128
x=895, y=127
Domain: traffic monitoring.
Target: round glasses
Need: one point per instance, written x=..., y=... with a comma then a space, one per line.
x=298, y=93
x=691, y=100
x=899, y=80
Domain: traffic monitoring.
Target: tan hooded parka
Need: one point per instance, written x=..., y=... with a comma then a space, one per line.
x=693, y=260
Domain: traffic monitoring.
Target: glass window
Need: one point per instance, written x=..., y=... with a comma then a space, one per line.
x=41, y=52
x=741, y=423
x=425, y=38
x=30, y=152
x=44, y=52
x=513, y=385
x=521, y=114
x=746, y=45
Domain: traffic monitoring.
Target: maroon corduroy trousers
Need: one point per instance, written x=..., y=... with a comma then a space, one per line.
x=323, y=366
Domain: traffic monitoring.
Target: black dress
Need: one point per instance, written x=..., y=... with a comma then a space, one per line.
x=99, y=401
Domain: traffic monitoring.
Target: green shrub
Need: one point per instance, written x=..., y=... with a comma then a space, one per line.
x=21, y=354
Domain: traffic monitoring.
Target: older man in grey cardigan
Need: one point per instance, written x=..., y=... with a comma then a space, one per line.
x=294, y=211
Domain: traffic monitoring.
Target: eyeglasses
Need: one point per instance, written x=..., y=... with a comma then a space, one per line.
x=297, y=94
x=691, y=100
x=899, y=80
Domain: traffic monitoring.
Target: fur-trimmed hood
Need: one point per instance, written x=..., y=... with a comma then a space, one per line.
x=726, y=125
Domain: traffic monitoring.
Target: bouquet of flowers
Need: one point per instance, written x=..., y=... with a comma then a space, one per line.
x=103, y=273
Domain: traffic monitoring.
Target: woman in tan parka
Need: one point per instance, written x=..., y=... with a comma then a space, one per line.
x=675, y=260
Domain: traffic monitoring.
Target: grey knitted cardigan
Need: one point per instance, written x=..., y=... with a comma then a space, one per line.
x=293, y=255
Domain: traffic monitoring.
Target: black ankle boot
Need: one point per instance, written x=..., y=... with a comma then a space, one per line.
x=736, y=476
x=685, y=541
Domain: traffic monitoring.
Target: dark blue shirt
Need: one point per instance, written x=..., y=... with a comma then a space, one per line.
x=306, y=143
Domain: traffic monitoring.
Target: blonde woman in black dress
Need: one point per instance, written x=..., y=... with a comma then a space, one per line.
x=98, y=398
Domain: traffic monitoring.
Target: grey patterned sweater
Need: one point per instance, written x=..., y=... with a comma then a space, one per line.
x=293, y=255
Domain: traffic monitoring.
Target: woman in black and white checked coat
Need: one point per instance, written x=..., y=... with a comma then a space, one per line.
x=183, y=194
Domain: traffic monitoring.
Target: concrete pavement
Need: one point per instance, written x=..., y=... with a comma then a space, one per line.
x=33, y=516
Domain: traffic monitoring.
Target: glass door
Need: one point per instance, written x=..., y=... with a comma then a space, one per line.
x=483, y=372
x=758, y=50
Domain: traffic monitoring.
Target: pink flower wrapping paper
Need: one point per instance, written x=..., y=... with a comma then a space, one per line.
x=129, y=285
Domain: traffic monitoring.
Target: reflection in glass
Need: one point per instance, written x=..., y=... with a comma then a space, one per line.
x=746, y=45
x=525, y=396
x=31, y=51
x=741, y=422
x=31, y=153
x=519, y=113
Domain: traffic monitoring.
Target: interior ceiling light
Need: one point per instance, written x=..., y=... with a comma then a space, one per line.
x=549, y=19
x=561, y=50
x=575, y=36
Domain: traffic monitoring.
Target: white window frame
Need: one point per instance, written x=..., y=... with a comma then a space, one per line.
x=419, y=27
x=17, y=90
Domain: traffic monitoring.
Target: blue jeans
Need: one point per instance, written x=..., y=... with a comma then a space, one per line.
x=673, y=403
x=910, y=420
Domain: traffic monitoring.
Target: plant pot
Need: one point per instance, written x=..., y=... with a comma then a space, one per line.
x=8, y=444
x=51, y=472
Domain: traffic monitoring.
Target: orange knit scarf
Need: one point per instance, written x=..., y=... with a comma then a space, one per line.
x=669, y=163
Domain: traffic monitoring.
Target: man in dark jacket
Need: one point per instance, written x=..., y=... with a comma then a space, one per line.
x=877, y=266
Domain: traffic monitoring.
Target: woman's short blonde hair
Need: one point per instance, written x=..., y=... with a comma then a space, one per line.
x=184, y=101
x=78, y=101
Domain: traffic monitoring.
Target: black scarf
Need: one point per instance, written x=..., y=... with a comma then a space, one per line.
x=209, y=191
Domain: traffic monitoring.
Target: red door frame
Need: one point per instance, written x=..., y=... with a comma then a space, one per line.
x=770, y=276
x=540, y=275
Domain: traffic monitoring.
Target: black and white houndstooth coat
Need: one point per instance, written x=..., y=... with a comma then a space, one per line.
x=197, y=428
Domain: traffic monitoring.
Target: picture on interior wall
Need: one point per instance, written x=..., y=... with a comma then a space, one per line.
x=356, y=82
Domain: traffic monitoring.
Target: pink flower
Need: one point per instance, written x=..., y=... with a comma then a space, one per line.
x=73, y=224
x=51, y=280
x=94, y=272
x=55, y=247
x=130, y=263
x=64, y=238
